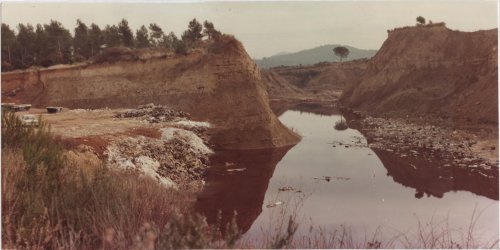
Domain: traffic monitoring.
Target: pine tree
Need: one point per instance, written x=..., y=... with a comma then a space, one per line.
x=96, y=39
x=126, y=35
x=8, y=43
x=142, y=37
x=81, y=43
x=193, y=33
x=26, y=41
x=157, y=34
x=111, y=36
x=210, y=31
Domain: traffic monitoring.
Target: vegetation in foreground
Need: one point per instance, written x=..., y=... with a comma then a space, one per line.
x=50, y=201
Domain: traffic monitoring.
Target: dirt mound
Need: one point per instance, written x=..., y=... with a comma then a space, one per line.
x=334, y=76
x=153, y=113
x=322, y=80
x=279, y=87
x=172, y=159
x=220, y=84
x=432, y=71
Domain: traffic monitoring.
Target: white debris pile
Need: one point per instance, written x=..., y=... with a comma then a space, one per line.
x=179, y=156
x=199, y=128
x=192, y=124
x=153, y=113
x=196, y=144
x=79, y=111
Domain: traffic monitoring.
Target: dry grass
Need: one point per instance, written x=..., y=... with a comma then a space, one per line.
x=100, y=208
x=53, y=202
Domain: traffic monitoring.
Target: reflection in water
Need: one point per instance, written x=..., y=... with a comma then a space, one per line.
x=242, y=188
x=341, y=125
x=364, y=199
x=319, y=108
x=428, y=176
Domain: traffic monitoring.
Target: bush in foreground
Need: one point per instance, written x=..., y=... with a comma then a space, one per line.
x=52, y=202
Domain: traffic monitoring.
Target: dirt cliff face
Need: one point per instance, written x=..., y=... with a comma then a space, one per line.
x=335, y=76
x=431, y=70
x=220, y=84
x=323, y=80
x=278, y=87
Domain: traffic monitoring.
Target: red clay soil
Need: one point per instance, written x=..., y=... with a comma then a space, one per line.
x=146, y=132
x=97, y=142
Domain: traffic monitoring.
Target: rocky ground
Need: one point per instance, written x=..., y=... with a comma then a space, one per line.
x=153, y=140
x=456, y=148
x=179, y=155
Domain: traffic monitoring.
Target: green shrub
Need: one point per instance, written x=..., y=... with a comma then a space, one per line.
x=49, y=202
x=39, y=146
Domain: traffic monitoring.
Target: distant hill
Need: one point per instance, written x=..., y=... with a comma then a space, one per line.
x=311, y=56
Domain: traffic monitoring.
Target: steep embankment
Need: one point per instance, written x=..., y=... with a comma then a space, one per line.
x=432, y=71
x=278, y=87
x=324, y=76
x=220, y=84
x=322, y=80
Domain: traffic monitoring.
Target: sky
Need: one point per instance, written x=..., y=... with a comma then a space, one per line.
x=267, y=28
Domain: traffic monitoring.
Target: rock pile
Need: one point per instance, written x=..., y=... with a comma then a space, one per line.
x=404, y=138
x=178, y=157
x=153, y=113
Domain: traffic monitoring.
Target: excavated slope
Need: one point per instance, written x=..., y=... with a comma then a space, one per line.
x=431, y=70
x=222, y=86
x=279, y=87
x=323, y=76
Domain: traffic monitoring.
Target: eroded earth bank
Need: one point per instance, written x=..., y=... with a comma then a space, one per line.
x=428, y=98
x=212, y=98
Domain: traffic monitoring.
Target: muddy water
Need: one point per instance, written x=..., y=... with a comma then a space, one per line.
x=346, y=185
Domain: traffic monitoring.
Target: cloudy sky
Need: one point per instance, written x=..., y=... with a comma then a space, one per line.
x=267, y=28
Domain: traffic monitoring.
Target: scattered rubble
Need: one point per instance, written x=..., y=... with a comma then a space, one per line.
x=409, y=139
x=283, y=189
x=236, y=170
x=192, y=124
x=196, y=144
x=228, y=164
x=178, y=156
x=274, y=204
x=153, y=113
x=329, y=178
x=356, y=142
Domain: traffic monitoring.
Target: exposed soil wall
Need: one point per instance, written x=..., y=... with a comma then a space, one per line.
x=322, y=81
x=278, y=87
x=222, y=86
x=323, y=76
x=432, y=71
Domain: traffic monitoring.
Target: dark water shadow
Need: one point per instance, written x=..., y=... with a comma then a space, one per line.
x=318, y=108
x=428, y=176
x=241, y=190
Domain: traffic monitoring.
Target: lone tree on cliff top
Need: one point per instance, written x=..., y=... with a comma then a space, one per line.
x=341, y=52
x=420, y=20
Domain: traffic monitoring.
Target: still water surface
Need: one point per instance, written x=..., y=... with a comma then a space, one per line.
x=366, y=189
